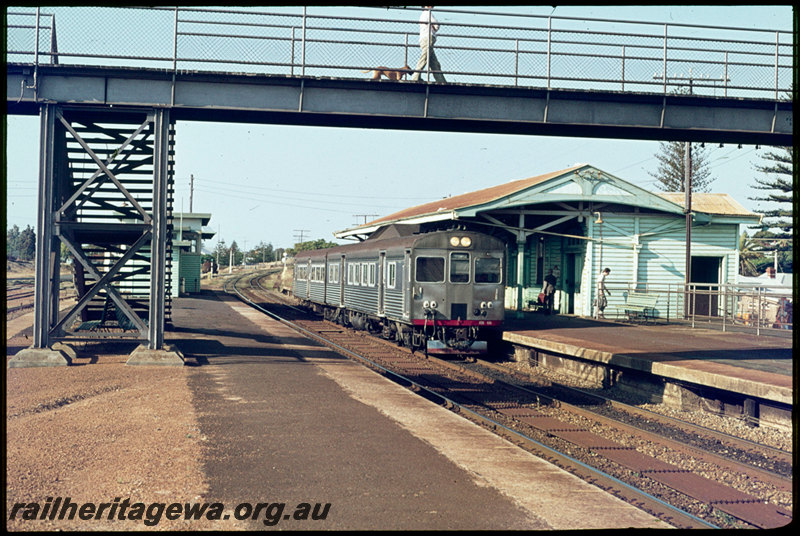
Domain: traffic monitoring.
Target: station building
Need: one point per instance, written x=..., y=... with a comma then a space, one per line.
x=580, y=220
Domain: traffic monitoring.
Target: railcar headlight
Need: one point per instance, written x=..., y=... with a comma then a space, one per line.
x=433, y=304
x=489, y=305
x=466, y=241
x=454, y=241
x=426, y=304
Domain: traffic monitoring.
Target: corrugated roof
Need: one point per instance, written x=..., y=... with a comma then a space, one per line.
x=722, y=204
x=470, y=199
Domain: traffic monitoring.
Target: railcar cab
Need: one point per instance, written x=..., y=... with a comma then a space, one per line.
x=457, y=290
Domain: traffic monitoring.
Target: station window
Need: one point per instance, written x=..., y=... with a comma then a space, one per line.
x=430, y=269
x=487, y=270
x=459, y=267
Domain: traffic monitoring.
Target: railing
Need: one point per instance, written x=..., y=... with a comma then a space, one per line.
x=491, y=48
x=725, y=306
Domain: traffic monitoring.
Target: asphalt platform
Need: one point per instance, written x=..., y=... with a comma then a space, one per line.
x=754, y=365
x=290, y=421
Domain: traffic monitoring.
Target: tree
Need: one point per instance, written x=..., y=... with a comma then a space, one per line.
x=221, y=253
x=26, y=244
x=749, y=256
x=263, y=253
x=671, y=168
x=775, y=233
x=12, y=242
x=319, y=243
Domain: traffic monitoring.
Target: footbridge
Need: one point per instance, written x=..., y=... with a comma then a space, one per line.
x=109, y=84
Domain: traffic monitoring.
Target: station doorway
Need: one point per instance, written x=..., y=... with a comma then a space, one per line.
x=705, y=270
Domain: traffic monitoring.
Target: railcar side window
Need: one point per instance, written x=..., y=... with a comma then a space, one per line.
x=372, y=272
x=333, y=273
x=430, y=269
x=353, y=273
x=391, y=275
x=317, y=273
x=459, y=267
x=364, y=274
x=487, y=270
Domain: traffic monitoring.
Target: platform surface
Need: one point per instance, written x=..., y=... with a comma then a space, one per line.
x=754, y=365
x=288, y=420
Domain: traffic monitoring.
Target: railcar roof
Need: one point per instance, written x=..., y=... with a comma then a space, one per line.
x=372, y=244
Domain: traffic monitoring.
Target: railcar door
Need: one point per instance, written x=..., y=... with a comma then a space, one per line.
x=407, y=284
x=342, y=278
x=381, y=281
x=459, y=297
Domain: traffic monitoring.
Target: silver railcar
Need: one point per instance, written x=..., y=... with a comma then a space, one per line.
x=442, y=291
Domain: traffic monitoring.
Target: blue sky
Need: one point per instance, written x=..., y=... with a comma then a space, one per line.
x=270, y=183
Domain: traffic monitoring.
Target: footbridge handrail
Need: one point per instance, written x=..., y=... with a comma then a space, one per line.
x=495, y=47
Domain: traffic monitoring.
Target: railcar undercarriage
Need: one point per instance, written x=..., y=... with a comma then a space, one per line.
x=432, y=338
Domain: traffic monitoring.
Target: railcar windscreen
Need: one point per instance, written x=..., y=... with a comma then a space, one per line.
x=430, y=269
x=459, y=267
x=487, y=270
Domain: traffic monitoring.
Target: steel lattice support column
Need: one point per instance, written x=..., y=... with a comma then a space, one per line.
x=104, y=194
x=158, y=250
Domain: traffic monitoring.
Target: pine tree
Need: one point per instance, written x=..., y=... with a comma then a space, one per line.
x=671, y=168
x=776, y=228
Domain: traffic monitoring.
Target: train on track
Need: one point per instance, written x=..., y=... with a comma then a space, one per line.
x=441, y=291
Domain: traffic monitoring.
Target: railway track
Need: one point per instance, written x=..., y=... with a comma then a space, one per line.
x=20, y=294
x=687, y=476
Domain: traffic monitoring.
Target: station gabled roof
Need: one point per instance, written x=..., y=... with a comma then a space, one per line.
x=581, y=182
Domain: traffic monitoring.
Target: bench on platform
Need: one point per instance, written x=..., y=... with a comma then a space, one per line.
x=640, y=305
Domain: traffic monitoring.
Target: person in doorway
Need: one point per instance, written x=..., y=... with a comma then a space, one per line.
x=549, y=291
x=428, y=28
x=602, y=290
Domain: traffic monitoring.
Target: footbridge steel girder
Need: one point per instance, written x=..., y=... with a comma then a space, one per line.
x=252, y=98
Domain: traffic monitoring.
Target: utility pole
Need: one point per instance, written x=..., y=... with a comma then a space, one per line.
x=687, y=203
x=191, y=191
x=301, y=231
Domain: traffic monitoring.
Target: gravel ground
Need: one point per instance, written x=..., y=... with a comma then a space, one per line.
x=99, y=431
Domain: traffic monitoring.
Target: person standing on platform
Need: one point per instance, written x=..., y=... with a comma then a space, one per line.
x=600, y=301
x=549, y=291
x=428, y=27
